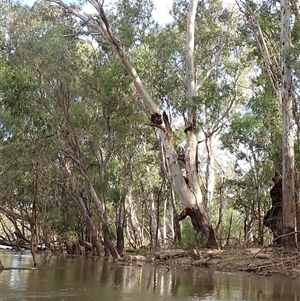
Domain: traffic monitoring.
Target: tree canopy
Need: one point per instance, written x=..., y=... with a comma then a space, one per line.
x=114, y=127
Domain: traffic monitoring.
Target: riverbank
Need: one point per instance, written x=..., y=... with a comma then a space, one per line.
x=261, y=261
x=265, y=261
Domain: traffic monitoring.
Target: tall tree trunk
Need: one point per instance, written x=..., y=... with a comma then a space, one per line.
x=173, y=212
x=120, y=224
x=270, y=60
x=288, y=179
x=76, y=155
x=174, y=217
x=84, y=208
x=164, y=227
x=133, y=229
x=87, y=215
x=151, y=212
x=282, y=87
x=197, y=210
x=187, y=187
x=221, y=201
x=210, y=171
x=33, y=219
x=229, y=230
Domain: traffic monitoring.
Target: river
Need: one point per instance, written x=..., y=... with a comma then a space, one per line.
x=91, y=279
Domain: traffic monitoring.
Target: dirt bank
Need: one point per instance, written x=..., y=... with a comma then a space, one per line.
x=262, y=261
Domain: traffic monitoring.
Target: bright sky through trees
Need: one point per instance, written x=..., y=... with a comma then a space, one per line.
x=160, y=14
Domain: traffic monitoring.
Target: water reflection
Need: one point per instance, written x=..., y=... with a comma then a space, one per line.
x=67, y=278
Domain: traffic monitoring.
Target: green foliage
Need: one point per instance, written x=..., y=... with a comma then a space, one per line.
x=15, y=88
x=236, y=228
x=52, y=78
x=134, y=20
x=143, y=252
x=189, y=237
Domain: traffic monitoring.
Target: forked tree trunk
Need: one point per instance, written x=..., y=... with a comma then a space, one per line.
x=197, y=210
x=186, y=186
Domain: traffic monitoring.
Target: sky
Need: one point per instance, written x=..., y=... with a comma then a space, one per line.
x=160, y=14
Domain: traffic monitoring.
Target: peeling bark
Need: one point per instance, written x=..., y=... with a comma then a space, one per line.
x=189, y=193
x=288, y=187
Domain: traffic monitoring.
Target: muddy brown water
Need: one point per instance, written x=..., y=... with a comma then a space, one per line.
x=91, y=279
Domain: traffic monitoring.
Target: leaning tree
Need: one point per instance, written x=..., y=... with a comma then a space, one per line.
x=185, y=180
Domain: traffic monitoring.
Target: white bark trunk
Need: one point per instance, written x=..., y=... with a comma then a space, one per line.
x=133, y=230
x=188, y=197
x=192, y=141
x=190, y=44
x=288, y=179
x=188, y=190
x=149, y=201
x=164, y=228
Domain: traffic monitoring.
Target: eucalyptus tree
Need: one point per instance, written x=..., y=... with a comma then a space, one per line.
x=274, y=29
x=186, y=184
x=47, y=97
x=288, y=184
x=250, y=138
x=221, y=72
x=27, y=141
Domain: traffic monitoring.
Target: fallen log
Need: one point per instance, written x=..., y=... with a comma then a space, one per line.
x=85, y=244
x=15, y=244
